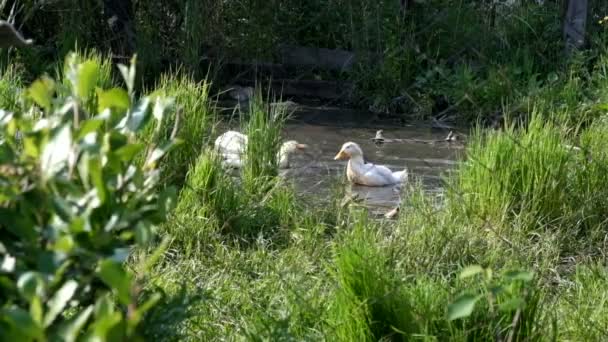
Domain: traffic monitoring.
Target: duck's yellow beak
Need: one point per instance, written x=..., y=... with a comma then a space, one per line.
x=341, y=155
x=301, y=146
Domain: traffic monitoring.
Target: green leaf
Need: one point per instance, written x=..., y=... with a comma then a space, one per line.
x=115, y=98
x=56, y=152
x=552, y=77
x=149, y=262
x=167, y=201
x=59, y=301
x=70, y=330
x=41, y=92
x=138, y=313
x=104, y=306
x=31, y=147
x=462, y=307
x=21, y=227
x=8, y=263
x=113, y=274
x=64, y=244
x=90, y=125
x=88, y=73
x=128, y=74
x=96, y=178
x=160, y=107
x=512, y=304
x=22, y=321
x=138, y=115
x=103, y=327
x=470, y=271
x=159, y=152
x=601, y=106
x=36, y=310
x=143, y=233
x=496, y=289
x=127, y=152
x=30, y=285
x=6, y=117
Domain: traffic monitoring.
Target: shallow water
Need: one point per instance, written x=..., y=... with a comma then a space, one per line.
x=315, y=172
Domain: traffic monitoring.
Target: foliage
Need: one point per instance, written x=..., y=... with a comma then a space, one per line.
x=510, y=300
x=250, y=258
x=462, y=59
x=10, y=87
x=72, y=205
x=369, y=303
x=536, y=177
x=263, y=128
x=582, y=313
x=192, y=115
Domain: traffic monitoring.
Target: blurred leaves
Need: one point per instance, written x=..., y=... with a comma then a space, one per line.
x=75, y=199
x=508, y=292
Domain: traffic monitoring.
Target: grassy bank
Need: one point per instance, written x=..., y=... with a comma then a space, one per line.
x=524, y=206
x=514, y=251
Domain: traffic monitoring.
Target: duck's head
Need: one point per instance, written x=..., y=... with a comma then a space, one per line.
x=291, y=146
x=349, y=150
x=287, y=149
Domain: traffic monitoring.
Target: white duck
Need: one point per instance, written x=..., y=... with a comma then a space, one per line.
x=368, y=174
x=231, y=145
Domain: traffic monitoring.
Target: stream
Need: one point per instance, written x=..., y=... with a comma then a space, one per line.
x=315, y=172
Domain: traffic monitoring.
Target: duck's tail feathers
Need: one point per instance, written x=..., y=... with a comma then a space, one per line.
x=401, y=175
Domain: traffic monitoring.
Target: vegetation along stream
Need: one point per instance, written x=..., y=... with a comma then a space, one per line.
x=126, y=214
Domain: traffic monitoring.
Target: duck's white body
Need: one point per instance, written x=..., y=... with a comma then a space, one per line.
x=232, y=145
x=359, y=172
x=231, y=142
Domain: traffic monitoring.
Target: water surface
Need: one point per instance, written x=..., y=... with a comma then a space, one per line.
x=315, y=173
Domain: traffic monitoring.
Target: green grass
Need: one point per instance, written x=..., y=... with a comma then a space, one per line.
x=531, y=180
x=195, y=122
x=252, y=267
x=106, y=71
x=10, y=87
x=263, y=129
x=369, y=303
x=581, y=313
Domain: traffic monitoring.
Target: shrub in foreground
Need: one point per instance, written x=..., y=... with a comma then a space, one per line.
x=72, y=203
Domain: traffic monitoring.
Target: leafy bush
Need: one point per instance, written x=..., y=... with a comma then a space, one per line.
x=511, y=302
x=72, y=204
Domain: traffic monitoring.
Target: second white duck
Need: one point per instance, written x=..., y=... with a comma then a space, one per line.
x=232, y=145
x=362, y=173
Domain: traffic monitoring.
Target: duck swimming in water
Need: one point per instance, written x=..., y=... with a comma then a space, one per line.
x=232, y=145
x=362, y=173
